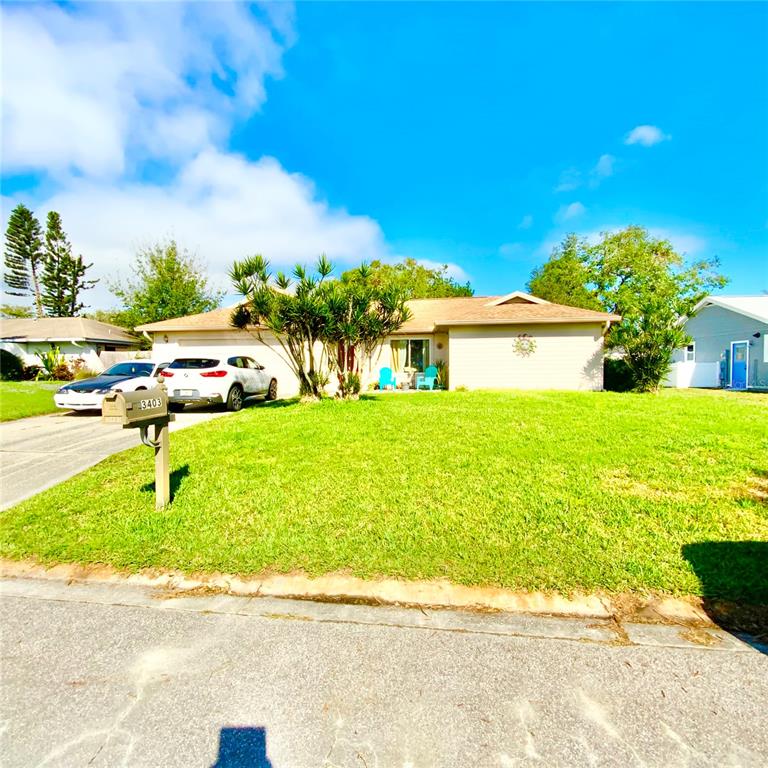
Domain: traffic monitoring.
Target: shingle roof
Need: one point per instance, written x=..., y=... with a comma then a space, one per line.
x=53, y=329
x=215, y=320
x=429, y=314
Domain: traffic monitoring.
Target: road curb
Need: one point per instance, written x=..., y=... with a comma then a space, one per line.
x=349, y=589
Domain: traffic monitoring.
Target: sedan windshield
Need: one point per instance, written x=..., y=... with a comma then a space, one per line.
x=130, y=369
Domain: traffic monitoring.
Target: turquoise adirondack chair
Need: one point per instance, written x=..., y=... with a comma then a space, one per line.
x=428, y=379
x=386, y=379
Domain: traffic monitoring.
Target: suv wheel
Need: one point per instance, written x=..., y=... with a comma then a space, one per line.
x=235, y=398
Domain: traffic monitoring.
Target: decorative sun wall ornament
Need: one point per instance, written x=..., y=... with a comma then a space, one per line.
x=525, y=345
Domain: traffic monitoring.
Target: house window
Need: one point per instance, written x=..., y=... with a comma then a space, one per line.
x=410, y=353
x=690, y=353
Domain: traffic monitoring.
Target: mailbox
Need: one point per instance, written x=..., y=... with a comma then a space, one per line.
x=143, y=409
x=135, y=409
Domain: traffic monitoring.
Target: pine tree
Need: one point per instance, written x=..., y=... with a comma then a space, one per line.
x=56, y=268
x=23, y=255
x=63, y=274
x=77, y=283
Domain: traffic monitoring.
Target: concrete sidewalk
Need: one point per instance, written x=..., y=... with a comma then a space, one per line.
x=105, y=675
x=42, y=451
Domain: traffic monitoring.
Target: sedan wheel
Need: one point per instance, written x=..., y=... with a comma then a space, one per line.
x=272, y=391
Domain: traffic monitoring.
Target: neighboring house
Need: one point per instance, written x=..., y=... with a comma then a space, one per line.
x=517, y=341
x=76, y=337
x=729, y=346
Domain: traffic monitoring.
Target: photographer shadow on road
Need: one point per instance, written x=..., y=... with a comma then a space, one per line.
x=242, y=748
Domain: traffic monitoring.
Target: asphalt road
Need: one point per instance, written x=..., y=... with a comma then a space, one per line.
x=41, y=451
x=102, y=675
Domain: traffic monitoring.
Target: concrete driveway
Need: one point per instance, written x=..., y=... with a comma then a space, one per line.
x=42, y=451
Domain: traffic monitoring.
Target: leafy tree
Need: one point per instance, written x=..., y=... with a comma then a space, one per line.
x=413, y=280
x=16, y=311
x=23, y=255
x=566, y=277
x=641, y=278
x=63, y=277
x=321, y=322
x=112, y=316
x=645, y=281
x=169, y=283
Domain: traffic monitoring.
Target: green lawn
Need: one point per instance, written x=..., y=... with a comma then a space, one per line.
x=566, y=491
x=19, y=399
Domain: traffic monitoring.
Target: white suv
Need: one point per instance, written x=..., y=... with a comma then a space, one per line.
x=206, y=381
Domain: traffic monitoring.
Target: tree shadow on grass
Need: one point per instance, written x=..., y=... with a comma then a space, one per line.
x=734, y=585
x=177, y=478
x=242, y=748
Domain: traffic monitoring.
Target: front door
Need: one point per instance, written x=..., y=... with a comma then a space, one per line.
x=739, y=354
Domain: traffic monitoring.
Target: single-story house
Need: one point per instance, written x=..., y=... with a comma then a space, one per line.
x=516, y=341
x=76, y=338
x=729, y=346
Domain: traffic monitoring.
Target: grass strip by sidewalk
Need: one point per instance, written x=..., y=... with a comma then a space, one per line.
x=538, y=491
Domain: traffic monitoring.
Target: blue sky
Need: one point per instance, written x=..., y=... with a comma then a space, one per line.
x=470, y=134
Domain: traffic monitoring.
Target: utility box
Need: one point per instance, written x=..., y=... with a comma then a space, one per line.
x=135, y=409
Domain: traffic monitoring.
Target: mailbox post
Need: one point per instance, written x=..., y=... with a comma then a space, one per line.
x=142, y=410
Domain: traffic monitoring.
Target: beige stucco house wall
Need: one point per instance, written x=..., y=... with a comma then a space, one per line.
x=562, y=357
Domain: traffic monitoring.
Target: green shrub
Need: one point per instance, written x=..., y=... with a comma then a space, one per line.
x=617, y=377
x=11, y=366
x=54, y=366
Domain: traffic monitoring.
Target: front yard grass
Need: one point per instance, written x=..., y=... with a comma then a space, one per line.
x=19, y=399
x=544, y=490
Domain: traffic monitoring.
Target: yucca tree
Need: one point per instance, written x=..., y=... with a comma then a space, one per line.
x=321, y=324
x=295, y=317
x=361, y=316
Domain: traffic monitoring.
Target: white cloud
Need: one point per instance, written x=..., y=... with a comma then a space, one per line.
x=572, y=211
x=604, y=167
x=526, y=222
x=220, y=206
x=570, y=179
x=647, y=135
x=111, y=88
x=91, y=88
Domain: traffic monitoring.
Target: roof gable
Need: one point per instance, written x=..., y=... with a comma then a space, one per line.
x=754, y=307
x=516, y=297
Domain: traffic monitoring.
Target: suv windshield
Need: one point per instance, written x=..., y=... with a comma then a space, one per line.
x=130, y=369
x=194, y=362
